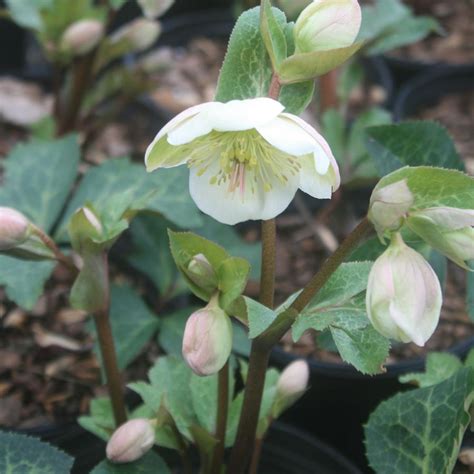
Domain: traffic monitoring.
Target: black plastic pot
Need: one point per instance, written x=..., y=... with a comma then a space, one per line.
x=428, y=88
x=340, y=399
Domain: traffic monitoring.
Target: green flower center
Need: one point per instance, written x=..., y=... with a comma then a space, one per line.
x=245, y=159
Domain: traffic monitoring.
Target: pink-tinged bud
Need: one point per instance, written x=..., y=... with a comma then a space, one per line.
x=389, y=206
x=292, y=383
x=327, y=24
x=140, y=34
x=403, y=297
x=14, y=228
x=82, y=37
x=201, y=273
x=154, y=8
x=207, y=340
x=131, y=441
x=448, y=230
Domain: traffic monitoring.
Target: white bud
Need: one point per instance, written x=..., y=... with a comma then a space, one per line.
x=154, y=8
x=131, y=441
x=201, y=272
x=82, y=37
x=207, y=340
x=14, y=228
x=92, y=219
x=327, y=24
x=140, y=33
x=389, y=205
x=403, y=297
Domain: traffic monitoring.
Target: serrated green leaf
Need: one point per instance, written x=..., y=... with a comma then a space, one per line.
x=432, y=187
x=259, y=317
x=150, y=252
x=100, y=420
x=305, y=66
x=26, y=455
x=420, y=431
x=27, y=13
x=118, y=186
x=232, y=275
x=439, y=367
x=170, y=337
x=273, y=34
x=133, y=324
x=38, y=177
x=333, y=127
x=470, y=294
x=150, y=463
x=414, y=143
x=227, y=237
x=247, y=72
x=24, y=280
x=365, y=348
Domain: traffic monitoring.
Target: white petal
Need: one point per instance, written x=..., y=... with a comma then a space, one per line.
x=238, y=115
x=231, y=208
x=287, y=136
x=196, y=126
x=322, y=152
x=312, y=183
x=449, y=217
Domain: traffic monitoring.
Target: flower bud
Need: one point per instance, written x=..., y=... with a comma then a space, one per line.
x=201, y=273
x=291, y=385
x=92, y=219
x=448, y=230
x=131, y=441
x=140, y=34
x=14, y=228
x=327, y=24
x=82, y=37
x=403, y=297
x=154, y=8
x=207, y=340
x=389, y=206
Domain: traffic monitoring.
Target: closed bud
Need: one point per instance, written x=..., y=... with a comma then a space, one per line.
x=389, y=206
x=201, y=273
x=92, y=219
x=15, y=228
x=82, y=37
x=327, y=24
x=403, y=297
x=131, y=441
x=207, y=340
x=449, y=230
x=154, y=8
x=292, y=383
x=140, y=34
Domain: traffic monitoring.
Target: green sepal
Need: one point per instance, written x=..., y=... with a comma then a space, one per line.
x=305, y=66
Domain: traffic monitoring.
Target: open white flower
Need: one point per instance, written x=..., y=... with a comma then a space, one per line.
x=246, y=157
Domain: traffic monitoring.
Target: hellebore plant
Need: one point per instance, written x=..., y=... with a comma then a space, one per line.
x=248, y=153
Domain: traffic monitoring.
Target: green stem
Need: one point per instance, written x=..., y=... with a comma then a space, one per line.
x=221, y=422
x=284, y=321
x=109, y=359
x=267, y=277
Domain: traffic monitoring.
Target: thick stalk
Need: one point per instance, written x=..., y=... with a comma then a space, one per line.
x=273, y=335
x=245, y=439
x=328, y=90
x=221, y=421
x=82, y=72
x=267, y=276
x=109, y=359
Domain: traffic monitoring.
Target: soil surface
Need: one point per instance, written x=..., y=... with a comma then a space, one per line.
x=456, y=44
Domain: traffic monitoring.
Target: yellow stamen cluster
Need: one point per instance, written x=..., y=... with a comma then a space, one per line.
x=242, y=155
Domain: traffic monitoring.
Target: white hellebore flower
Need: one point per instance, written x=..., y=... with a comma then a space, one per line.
x=403, y=297
x=246, y=157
